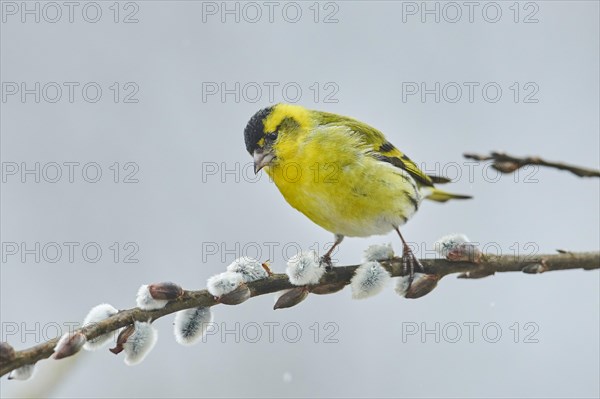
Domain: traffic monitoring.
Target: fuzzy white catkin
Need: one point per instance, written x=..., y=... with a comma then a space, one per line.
x=250, y=269
x=22, y=373
x=223, y=283
x=191, y=324
x=304, y=268
x=96, y=315
x=402, y=284
x=447, y=243
x=145, y=301
x=378, y=252
x=139, y=343
x=369, y=279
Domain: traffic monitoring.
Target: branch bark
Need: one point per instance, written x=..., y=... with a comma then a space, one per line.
x=507, y=164
x=488, y=265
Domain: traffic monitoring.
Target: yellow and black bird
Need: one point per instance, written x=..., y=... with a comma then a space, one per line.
x=341, y=173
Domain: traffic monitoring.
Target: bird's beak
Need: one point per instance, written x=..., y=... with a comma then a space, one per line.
x=261, y=159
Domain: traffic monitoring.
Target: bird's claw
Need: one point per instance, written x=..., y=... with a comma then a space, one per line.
x=409, y=260
x=326, y=261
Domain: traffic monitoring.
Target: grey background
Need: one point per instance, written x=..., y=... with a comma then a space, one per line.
x=173, y=212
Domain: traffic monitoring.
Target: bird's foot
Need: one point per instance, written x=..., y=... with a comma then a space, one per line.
x=409, y=261
x=326, y=261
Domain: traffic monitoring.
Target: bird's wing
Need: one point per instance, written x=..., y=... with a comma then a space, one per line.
x=380, y=148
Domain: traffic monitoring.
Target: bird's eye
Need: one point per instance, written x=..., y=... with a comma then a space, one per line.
x=271, y=137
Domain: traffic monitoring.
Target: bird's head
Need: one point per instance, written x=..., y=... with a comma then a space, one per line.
x=271, y=127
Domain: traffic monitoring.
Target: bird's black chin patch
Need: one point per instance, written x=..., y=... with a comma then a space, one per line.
x=255, y=129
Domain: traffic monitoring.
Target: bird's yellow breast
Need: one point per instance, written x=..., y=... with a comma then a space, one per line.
x=328, y=174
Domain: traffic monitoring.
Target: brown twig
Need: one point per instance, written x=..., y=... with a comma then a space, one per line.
x=507, y=164
x=488, y=265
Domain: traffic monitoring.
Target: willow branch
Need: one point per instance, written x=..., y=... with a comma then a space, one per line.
x=507, y=164
x=487, y=265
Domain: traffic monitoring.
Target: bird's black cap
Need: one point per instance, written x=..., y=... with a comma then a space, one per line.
x=255, y=129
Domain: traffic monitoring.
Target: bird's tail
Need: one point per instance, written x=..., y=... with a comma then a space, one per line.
x=442, y=196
